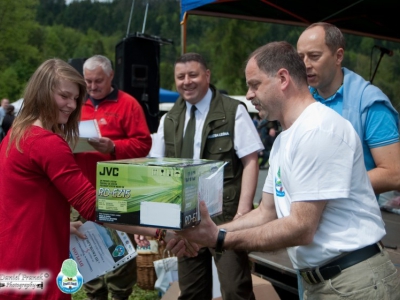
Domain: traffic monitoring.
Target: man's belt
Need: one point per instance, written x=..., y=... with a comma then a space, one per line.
x=331, y=269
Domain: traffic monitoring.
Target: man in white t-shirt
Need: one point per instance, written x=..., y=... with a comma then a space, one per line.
x=318, y=201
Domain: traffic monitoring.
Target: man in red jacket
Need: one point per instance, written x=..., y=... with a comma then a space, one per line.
x=124, y=134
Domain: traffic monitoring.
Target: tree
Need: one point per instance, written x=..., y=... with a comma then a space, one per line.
x=17, y=19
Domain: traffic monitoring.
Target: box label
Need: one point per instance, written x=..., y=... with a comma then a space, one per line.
x=113, y=205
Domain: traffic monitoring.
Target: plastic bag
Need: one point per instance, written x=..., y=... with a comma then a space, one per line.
x=166, y=271
x=390, y=201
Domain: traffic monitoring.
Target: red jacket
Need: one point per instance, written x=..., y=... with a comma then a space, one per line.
x=120, y=118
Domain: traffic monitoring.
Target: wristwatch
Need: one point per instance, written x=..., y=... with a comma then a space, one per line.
x=220, y=241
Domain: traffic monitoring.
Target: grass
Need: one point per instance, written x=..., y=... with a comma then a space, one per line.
x=137, y=294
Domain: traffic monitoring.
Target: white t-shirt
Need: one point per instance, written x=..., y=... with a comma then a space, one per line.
x=320, y=157
x=246, y=139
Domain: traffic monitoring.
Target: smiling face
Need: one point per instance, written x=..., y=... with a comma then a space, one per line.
x=98, y=83
x=262, y=90
x=65, y=96
x=192, y=81
x=322, y=65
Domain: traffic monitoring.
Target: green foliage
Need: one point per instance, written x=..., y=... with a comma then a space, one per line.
x=34, y=30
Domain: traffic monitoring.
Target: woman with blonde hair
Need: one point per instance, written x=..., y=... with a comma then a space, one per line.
x=39, y=181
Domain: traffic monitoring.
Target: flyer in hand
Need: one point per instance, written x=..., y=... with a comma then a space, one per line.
x=102, y=251
x=88, y=129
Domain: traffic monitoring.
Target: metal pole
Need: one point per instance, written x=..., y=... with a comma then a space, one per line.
x=130, y=18
x=376, y=68
x=145, y=17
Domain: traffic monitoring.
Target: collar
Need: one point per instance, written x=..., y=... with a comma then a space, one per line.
x=203, y=105
x=111, y=96
x=314, y=93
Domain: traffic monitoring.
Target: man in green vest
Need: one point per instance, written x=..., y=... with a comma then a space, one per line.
x=205, y=124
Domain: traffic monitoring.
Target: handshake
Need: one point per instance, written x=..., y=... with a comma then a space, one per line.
x=186, y=242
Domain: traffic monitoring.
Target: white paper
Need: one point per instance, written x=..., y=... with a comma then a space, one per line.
x=160, y=214
x=102, y=251
x=87, y=130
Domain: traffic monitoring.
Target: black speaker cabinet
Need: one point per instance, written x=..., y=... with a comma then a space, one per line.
x=137, y=63
x=77, y=63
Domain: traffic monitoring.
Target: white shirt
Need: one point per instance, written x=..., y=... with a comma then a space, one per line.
x=246, y=139
x=320, y=157
x=2, y=115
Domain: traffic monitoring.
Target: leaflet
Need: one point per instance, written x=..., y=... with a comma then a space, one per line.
x=102, y=251
x=88, y=129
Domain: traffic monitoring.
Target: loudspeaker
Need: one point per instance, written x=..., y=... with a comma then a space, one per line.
x=137, y=63
x=77, y=63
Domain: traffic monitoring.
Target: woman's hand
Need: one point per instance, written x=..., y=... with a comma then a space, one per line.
x=73, y=228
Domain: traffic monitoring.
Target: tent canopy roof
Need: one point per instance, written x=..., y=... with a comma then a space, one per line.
x=370, y=18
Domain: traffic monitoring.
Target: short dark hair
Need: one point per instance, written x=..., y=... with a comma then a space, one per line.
x=10, y=109
x=276, y=55
x=192, y=56
x=334, y=38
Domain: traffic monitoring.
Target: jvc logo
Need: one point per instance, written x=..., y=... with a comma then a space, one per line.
x=109, y=171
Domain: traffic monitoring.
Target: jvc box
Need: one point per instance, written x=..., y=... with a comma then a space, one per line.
x=158, y=192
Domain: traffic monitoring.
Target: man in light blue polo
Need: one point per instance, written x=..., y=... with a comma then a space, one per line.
x=321, y=46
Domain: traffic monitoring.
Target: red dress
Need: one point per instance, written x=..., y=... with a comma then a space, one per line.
x=37, y=188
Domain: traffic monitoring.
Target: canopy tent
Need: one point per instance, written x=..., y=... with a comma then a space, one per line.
x=168, y=96
x=369, y=18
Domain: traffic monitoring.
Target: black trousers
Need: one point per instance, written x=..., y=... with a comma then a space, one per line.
x=195, y=276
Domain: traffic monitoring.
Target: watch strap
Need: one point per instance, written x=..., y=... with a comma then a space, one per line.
x=220, y=241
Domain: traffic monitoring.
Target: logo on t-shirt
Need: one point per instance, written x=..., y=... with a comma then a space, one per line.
x=278, y=184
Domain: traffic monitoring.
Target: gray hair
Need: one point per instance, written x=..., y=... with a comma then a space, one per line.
x=98, y=61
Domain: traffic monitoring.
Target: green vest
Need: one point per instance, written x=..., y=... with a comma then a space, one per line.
x=217, y=144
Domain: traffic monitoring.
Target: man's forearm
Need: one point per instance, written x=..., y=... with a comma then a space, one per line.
x=383, y=180
x=249, y=183
x=386, y=175
x=260, y=216
x=147, y=231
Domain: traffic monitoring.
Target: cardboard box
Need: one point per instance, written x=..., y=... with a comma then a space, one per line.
x=262, y=289
x=158, y=192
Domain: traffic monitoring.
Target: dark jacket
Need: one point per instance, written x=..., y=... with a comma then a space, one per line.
x=217, y=144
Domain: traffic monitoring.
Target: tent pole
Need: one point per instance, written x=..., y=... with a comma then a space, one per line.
x=183, y=34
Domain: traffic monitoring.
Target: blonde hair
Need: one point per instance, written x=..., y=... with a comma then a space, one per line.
x=39, y=102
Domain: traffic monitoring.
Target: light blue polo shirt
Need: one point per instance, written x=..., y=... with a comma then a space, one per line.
x=380, y=126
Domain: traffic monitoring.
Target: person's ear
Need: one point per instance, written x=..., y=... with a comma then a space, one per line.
x=339, y=55
x=283, y=76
